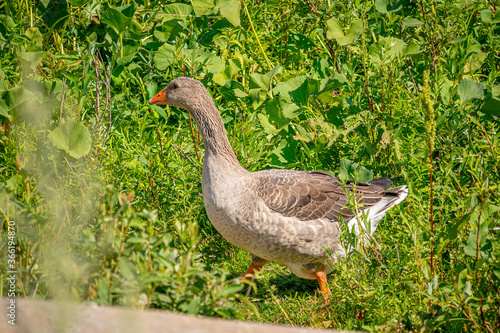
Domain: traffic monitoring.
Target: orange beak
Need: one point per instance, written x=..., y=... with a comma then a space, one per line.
x=160, y=98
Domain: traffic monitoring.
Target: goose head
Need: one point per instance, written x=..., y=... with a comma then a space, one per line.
x=182, y=92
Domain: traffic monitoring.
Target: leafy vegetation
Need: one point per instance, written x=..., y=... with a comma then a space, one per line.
x=105, y=191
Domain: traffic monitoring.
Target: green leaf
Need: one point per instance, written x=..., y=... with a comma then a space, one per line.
x=230, y=9
x=4, y=110
x=491, y=106
x=54, y=13
x=78, y=3
x=119, y=18
x=277, y=116
x=411, y=22
x=227, y=74
x=70, y=76
x=488, y=17
x=469, y=89
x=72, y=137
x=467, y=291
x=212, y=63
x=432, y=284
x=266, y=125
x=272, y=121
x=320, y=67
x=382, y=6
x=178, y=11
x=394, y=47
x=232, y=90
x=232, y=289
x=193, y=306
x=474, y=63
x=335, y=30
x=294, y=90
x=30, y=60
x=164, y=57
x=285, y=152
x=451, y=233
x=103, y=291
x=263, y=81
x=411, y=49
x=335, y=81
x=130, y=49
x=15, y=97
x=152, y=89
x=446, y=90
x=353, y=171
x=203, y=7
x=160, y=111
x=119, y=75
x=36, y=39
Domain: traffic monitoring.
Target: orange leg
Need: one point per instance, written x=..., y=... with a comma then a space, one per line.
x=251, y=271
x=321, y=277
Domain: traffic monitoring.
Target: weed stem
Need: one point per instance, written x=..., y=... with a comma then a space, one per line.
x=257, y=37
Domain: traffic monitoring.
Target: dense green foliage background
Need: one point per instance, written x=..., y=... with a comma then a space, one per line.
x=105, y=190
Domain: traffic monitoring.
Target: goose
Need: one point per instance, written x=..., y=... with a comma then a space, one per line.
x=289, y=216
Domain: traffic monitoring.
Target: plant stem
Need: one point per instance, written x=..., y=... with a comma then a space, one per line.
x=477, y=239
x=256, y=37
x=489, y=142
x=161, y=149
x=361, y=229
x=431, y=211
x=430, y=129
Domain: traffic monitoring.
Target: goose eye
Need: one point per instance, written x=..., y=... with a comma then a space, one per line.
x=175, y=86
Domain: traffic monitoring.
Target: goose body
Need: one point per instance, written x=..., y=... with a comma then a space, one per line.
x=277, y=215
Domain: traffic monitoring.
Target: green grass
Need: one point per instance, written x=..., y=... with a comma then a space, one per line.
x=114, y=215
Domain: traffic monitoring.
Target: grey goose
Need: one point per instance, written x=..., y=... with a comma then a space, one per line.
x=277, y=215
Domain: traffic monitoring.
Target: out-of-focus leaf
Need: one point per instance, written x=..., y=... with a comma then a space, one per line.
x=4, y=110
x=30, y=60
x=72, y=137
x=488, y=17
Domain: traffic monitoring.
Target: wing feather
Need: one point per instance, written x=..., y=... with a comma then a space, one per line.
x=311, y=195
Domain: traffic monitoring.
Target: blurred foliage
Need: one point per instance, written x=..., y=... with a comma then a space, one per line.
x=105, y=190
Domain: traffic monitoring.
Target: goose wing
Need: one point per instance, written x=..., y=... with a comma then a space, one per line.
x=311, y=195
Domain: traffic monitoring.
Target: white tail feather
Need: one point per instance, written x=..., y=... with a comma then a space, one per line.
x=373, y=215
